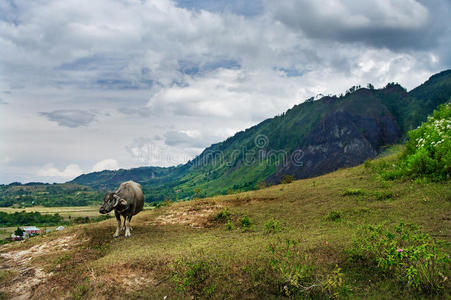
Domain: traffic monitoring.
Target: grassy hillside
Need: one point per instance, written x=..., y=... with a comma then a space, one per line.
x=292, y=239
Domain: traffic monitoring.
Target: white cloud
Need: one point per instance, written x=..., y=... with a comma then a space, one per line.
x=71, y=171
x=106, y=164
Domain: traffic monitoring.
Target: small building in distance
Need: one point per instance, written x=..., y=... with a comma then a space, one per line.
x=31, y=231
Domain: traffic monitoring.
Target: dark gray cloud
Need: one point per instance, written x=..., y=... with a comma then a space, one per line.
x=402, y=24
x=72, y=118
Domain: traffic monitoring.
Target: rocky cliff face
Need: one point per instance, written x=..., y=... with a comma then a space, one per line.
x=342, y=138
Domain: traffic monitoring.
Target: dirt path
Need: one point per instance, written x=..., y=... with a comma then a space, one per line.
x=26, y=276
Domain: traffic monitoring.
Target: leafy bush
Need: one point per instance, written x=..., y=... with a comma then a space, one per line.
x=428, y=151
x=353, y=192
x=245, y=222
x=333, y=215
x=287, y=179
x=405, y=253
x=272, y=226
x=229, y=225
x=222, y=216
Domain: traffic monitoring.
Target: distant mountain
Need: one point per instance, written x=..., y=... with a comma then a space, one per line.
x=310, y=139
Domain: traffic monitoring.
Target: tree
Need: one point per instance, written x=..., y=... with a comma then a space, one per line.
x=18, y=232
x=197, y=192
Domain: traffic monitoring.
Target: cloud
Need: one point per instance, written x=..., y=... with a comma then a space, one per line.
x=106, y=164
x=381, y=23
x=71, y=118
x=246, y=8
x=154, y=152
x=191, y=138
x=71, y=171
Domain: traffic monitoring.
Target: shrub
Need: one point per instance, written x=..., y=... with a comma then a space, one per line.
x=245, y=222
x=229, y=225
x=333, y=215
x=405, y=253
x=428, y=151
x=272, y=226
x=287, y=179
x=222, y=216
x=353, y=192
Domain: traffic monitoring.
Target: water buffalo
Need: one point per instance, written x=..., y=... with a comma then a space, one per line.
x=127, y=201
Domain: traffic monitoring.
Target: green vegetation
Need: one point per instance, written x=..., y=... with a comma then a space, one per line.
x=353, y=192
x=272, y=226
x=222, y=216
x=333, y=215
x=50, y=195
x=405, y=253
x=428, y=151
x=25, y=218
x=245, y=222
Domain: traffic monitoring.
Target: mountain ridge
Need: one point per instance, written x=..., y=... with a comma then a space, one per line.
x=325, y=134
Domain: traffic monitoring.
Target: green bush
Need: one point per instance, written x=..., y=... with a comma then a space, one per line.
x=353, y=192
x=272, y=226
x=405, y=253
x=229, y=225
x=333, y=215
x=428, y=151
x=245, y=222
x=222, y=216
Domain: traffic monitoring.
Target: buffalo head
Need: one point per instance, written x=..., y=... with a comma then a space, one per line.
x=110, y=202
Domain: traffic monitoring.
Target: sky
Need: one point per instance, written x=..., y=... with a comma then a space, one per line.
x=92, y=85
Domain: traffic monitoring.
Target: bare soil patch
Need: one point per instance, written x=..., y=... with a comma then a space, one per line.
x=196, y=217
x=28, y=276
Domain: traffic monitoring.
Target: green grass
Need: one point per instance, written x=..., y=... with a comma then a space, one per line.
x=306, y=253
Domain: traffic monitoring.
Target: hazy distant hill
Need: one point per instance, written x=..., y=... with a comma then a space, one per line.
x=310, y=139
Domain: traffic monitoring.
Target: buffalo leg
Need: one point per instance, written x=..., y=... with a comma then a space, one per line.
x=118, y=228
x=123, y=225
x=127, y=226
